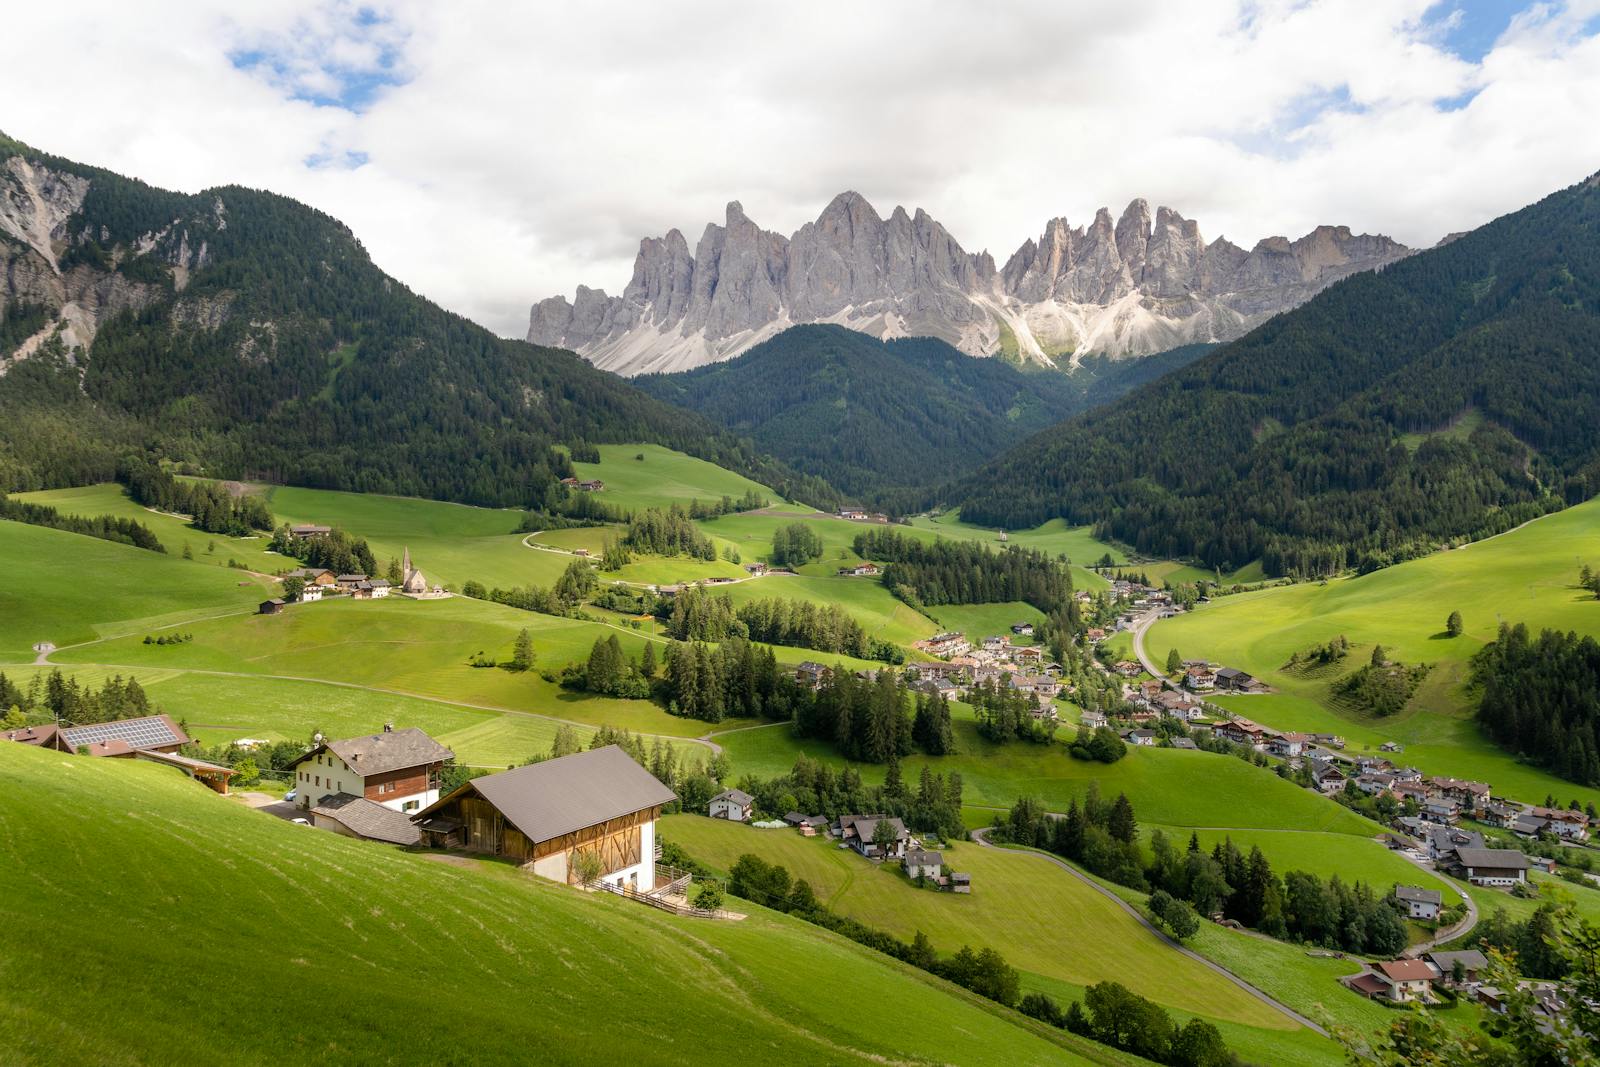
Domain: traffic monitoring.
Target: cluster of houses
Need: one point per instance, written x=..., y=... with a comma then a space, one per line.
x=876, y=837
x=996, y=661
x=861, y=570
x=1408, y=981
x=861, y=515
x=319, y=582
x=590, y=485
x=1202, y=677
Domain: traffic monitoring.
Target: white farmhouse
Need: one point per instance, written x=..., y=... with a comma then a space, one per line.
x=398, y=769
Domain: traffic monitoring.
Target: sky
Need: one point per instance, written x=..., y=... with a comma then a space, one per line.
x=492, y=154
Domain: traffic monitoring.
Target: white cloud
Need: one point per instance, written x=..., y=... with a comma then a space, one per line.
x=495, y=154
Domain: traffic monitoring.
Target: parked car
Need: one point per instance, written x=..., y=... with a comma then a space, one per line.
x=289, y=797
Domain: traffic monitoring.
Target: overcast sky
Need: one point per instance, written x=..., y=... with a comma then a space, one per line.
x=493, y=154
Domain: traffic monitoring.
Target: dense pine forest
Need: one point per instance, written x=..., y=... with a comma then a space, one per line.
x=1453, y=394
x=874, y=417
x=267, y=345
x=966, y=572
x=1541, y=699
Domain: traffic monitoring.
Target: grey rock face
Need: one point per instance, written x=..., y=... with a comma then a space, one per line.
x=1125, y=288
x=37, y=206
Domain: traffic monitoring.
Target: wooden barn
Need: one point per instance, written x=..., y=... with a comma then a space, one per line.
x=553, y=815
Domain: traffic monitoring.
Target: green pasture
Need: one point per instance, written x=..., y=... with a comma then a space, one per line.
x=1167, y=786
x=1041, y=918
x=65, y=588
x=662, y=478
x=226, y=923
x=1527, y=575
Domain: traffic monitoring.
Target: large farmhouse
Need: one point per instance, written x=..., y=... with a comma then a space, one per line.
x=398, y=769
x=554, y=815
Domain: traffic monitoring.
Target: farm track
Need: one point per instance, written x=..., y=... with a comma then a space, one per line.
x=982, y=837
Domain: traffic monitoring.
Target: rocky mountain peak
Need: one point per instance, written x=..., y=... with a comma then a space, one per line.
x=1142, y=282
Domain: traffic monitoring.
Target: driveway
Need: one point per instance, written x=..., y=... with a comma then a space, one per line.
x=270, y=804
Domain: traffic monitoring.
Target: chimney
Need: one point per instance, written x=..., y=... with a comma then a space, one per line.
x=388, y=727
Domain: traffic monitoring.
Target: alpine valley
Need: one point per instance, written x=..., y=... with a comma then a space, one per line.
x=834, y=649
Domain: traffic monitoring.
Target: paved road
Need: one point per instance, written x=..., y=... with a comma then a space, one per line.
x=1465, y=926
x=1139, y=629
x=981, y=836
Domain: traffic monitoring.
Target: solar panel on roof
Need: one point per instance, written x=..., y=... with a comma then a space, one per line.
x=138, y=733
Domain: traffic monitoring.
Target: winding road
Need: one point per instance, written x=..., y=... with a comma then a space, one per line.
x=1138, y=631
x=982, y=837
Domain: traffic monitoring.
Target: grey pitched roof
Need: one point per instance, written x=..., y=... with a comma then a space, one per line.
x=392, y=750
x=920, y=858
x=546, y=800
x=1418, y=895
x=738, y=796
x=368, y=818
x=1471, y=959
x=1507, y=858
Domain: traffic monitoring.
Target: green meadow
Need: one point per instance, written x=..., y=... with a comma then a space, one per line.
x=238, y=924
x=1528, y=575
x=866, y=600
x=218, y=709
x=1062, y=933
x=1352, y=858
x=65, y=588
x=410, y=647
x=649, y=476
x=978, y=621
x=1167, y=786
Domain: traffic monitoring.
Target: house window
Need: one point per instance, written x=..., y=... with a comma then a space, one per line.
x=410, y=805
x=319, y=779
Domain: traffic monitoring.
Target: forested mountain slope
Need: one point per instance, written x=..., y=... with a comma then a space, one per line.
x=871, y=415
x=1454, y=393
x=251, y=336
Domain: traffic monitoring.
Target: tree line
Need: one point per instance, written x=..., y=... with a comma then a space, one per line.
x=56, y=697
x=696, y=615
x=105, y=527
x=1541, y=699
x=967, y=572
x=210, y=507
x=1315, y=443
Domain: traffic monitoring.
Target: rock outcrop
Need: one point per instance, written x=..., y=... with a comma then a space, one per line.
x=1138, y=285
x=39, y=207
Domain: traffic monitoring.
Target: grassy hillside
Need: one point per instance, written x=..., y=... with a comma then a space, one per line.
x=405, y=960
x=663, y=477
x=65, y=588
x=1062, y=933
x=284, y=353
x=1161, y=782
x=1528, y=575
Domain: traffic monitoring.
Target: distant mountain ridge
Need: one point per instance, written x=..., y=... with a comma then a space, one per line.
x=877, y=418
x=1139, y=285
x=238, y=333
x=1454, y=394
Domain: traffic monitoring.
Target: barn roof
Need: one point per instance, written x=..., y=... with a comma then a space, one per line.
x=125, y=735
x=549, y=799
